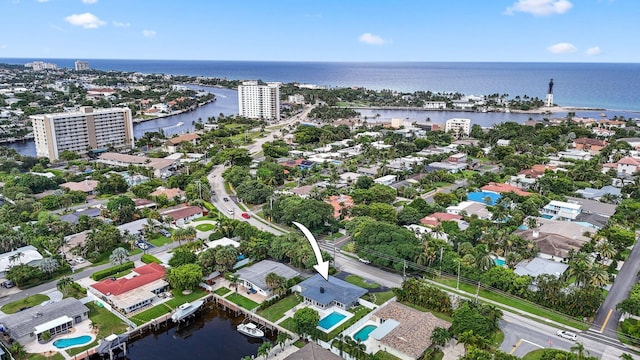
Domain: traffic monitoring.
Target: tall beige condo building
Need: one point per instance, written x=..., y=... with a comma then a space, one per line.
x=257, y=101
x=82, y=131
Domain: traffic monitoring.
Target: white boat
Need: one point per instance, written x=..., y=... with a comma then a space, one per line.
x=180, y=123
x=250, y=329
x=185, y=310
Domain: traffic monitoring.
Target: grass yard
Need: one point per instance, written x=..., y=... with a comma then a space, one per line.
x=222, y=291
x=288, y=324
x=56, y=356
x=179, y=298
x=277, y=310
x=150, y=314
x=106, y=323
x=242, y=301
x=363, y=283
x=205, y=227
x=379, y=298
x=33, y=300
x=535, y=354
x=383, y=355
x=160, y=241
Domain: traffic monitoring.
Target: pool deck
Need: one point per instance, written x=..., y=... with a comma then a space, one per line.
x=81, y=329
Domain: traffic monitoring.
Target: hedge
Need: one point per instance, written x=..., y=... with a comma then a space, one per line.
x=148, y=258
x=99, y=275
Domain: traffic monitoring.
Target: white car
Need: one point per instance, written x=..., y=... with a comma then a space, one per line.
x=79, y=260
x=567, y=335
x=230, y=211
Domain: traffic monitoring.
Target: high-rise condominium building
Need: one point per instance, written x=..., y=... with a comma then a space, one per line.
x=259, y=101
x=82, y=131
x=458, y=126
x=81, y=65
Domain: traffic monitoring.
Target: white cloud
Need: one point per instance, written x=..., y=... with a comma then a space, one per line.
x=562, y=48
x=593, y=51
x=369, y=38
x=540, y=7
x=89, y=1
x=86, y=20
x=119, y=24
x=149, y=33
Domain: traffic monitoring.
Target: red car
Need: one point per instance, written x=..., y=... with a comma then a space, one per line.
x=245, y=215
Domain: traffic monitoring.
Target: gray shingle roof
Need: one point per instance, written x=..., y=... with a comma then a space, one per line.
x=334, y=289
x=24, y=322
x=257, y=273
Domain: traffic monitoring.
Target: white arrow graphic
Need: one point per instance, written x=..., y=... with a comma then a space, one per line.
x=323, y=266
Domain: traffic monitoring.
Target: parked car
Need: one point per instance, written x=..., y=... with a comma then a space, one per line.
x=142, y=245
x=251, y=291
x=225, y=198
x=165, y=233
x=364, y=261
x=245, y=215
x=567, y=335
x=230, y=211
x=7, y=284
x=79, y=260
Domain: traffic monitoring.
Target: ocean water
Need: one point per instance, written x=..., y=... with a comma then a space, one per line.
x=602, y=85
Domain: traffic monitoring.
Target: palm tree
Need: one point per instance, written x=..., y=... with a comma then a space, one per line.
x=282, y=339
x=598, y=275
x=233, y=280
x=119, y=256
x=48, y=265
x=272, y=279
x=579, y=349
x=129, y=238
x=606, y=249
x=264, y=349
x=440, y=336
x=64, y=284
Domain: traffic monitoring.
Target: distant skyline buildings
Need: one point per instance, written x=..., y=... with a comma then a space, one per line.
x=81, y=65
x=82, y=130
x=259, y=101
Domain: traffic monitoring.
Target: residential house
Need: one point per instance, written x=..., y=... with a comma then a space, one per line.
x=173, y=144
x=592, y=145
x=539, y=266
x=175, y=194
x=55, y=318
x=302, y=191
x=313, y=351
x=87, y=186
x=502, y=188
x=560, y=210
x=633, y=142
x=254, y=276
x=26, y=255
x=136, y=227
x=135, y=291
x=596, y=194
x=183, y=215
x=556, y=238
x=386, y=180
x=161, y=167
x=470, y=208
x=435, y=219
x=340, y=203
x=402, y=331
x=628, y=165
x=74, y=217
x=612, y=124
x=503, y=142
x=317, y=291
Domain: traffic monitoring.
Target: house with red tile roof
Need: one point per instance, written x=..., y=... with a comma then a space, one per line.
x=87, y=186
x=588, y=144
x=173, y=145
x=435, y=219
x=499, y=188
x=170, y=193
x=183, y=215
x=340, y=202
x=137, y=290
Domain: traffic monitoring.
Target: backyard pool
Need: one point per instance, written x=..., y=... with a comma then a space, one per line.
x=546, y=216
x=65, y=343
x=363, y=334
x=331, y=320
x=499, y=262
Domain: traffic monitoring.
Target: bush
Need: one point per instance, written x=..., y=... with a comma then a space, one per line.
x=215, y=236
x=99, y=275
x=147, y=258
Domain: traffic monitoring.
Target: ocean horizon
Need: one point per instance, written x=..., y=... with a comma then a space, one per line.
x=611, y=86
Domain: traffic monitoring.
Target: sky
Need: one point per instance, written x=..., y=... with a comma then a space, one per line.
x=323, y=30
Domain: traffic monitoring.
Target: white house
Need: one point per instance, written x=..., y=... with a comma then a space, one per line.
x=386, y=180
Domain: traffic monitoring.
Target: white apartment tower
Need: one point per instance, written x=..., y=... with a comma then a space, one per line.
x=458, y=126
x=82, y=130
x=81, y=65
x=259, y=101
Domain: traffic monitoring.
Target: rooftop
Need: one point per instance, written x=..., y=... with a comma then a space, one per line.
x=24, y=322
x=183, y=212
x=146, y=274
x=257, y=273
x=84, y=186
x=539, y=266
x=324, y=292
x=313, y=351
x=503, y=188
x=185, y=137
x=23, y=255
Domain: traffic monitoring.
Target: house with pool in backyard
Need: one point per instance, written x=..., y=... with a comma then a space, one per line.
x=62, y=321
x=393, y=327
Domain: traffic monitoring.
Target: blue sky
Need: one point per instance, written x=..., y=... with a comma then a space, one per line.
x=323, y=30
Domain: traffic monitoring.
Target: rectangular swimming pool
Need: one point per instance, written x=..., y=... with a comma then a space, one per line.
x=331, y=320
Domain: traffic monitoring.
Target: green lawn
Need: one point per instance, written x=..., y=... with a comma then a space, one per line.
x=179, y=298
x=166, y=307
x=288, y=324
x=242, y=301
x=222, y=291
x=106, y=322
x=535, y=354
x=363, y=283
x=383, y=355
x=205, y=227
x=57, y=356
x=33, y=300
x=277, y=310
x=379, y=298
x=160, y=241
x=518, y=304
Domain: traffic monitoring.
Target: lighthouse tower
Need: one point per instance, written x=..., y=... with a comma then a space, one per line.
x=549, y=99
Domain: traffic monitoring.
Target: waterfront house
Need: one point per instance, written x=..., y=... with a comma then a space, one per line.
x=587, y=144
x=134, y=291
x=501, y=188
x=254, y=276
x=324, y=294
x=55, y=317
x=183, y=215
x=402, y=331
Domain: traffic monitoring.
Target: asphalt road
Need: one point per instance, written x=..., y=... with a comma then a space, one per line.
x=607, y=314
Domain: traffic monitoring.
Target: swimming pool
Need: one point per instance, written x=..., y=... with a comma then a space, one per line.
x=546, y=216
x=65, y=343
x=331, y=320
x=363, y=334
x=499, y=262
